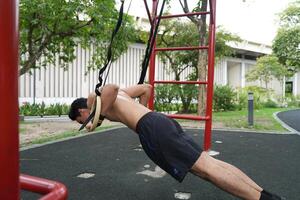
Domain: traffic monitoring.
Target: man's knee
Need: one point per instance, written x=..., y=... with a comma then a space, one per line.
x=202, y=165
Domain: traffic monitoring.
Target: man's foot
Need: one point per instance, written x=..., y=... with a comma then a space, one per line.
x=273, y=196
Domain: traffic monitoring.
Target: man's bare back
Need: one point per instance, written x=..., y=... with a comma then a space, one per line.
x=123, y=109
x=126, y=111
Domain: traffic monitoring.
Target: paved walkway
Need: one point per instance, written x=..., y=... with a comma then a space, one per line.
x=291, y=119
x=111, y=165
x=52, y=118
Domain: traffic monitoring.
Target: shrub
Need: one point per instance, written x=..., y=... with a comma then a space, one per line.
x=270, y=104
x=177, y=98
x=293, y=101
x=164, y=96
x=261, y=95
x=224, y=98
x=188, y=94
x=42, y=110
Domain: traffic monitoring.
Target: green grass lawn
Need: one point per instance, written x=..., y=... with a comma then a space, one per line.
x=263, y=119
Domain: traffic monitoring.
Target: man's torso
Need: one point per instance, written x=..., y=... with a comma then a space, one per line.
x=126, y=111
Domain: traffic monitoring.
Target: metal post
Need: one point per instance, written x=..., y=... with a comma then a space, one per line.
x=250, y=108
x=210, y=75
x=9, y=136
x=152, y=58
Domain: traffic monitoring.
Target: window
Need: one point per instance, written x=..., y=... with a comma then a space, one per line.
x=288, y=87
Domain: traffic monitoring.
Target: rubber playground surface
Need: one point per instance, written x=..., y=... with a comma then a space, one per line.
x=115, y=167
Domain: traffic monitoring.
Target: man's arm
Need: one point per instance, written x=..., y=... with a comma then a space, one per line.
x=142, y=92
x=108, y=96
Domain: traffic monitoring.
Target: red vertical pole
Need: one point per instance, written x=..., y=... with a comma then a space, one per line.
x=210, y=75
x=152, y=58
x=9, y=140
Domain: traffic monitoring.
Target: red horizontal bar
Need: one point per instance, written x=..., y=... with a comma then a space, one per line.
x=53, y=190
x=192, y=117
x=181, y=48
x=181, y=82
x=184, y=15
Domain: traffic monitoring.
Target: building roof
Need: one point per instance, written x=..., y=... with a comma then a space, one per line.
x=251, y=48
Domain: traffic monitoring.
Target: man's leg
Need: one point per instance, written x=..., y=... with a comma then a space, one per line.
x=226, y=177
x=239, y=173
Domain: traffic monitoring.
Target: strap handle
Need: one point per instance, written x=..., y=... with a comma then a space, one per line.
x=150, y=44
x=109, y=51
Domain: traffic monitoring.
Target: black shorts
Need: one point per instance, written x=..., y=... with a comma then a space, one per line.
x=167, y=145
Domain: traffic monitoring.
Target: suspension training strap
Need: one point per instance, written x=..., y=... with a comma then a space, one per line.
x=109, y=51
x=150, y=45
x=108, y=61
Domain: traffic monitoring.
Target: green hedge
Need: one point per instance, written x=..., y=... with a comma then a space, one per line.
x=28, y=109
x=224, y=98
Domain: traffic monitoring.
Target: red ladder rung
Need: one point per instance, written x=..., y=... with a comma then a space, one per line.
x=192, y=117
x=180, y=82
x=184, y=15
x=180, y=48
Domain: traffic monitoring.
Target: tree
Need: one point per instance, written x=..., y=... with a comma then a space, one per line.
x=184, y=33
x=286, y=45
x=266, y=69
x=53, y=28
x=200, y=23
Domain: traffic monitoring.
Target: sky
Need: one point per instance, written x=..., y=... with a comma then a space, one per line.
x=253, y=20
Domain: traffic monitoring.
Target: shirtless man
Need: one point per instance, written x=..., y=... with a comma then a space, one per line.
x=165, y=142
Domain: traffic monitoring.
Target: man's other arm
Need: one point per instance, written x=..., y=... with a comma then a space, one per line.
x=108, y=96
x=142, y=91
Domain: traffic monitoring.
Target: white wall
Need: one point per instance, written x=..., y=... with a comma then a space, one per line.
x=232, y=71
x=54, y=85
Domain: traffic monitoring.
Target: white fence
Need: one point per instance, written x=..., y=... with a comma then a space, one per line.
x=52, y=84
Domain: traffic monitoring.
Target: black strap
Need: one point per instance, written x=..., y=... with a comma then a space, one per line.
x=108, y=61
x=109, y=51
x=88, y=120
x=150, y=45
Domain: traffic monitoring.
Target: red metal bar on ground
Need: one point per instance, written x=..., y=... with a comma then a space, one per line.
x=210, y=78
x=9, y=119
x=51, y=189
x=180, y=82
x=185, y=15
x=192, y=117
x=148, y=12
x=181, y=48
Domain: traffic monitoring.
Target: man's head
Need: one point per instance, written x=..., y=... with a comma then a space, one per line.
x=79, y=110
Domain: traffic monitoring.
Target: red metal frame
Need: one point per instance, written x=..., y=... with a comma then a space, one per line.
x=180, y=82
x=184, y=15
x=210, y=71
x=9, y=119
x=9, y=137
x=181, y=48
x=50, y=189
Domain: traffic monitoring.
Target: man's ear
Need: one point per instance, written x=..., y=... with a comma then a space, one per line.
x=80, y=110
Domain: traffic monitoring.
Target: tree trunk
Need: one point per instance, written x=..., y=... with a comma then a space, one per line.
x=202, y=60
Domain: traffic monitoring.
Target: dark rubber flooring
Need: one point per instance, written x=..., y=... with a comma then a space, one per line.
x=272, y=160
x=291, y=118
